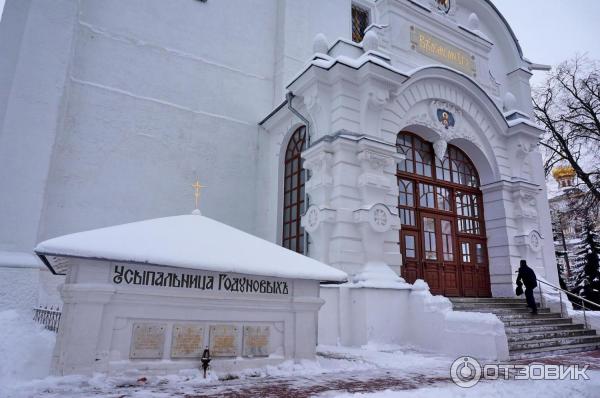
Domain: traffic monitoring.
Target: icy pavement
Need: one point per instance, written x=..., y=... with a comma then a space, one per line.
x=370, y=372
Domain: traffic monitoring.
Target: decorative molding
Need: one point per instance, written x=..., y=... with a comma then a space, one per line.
x=535, y=241
x=522, y=147
x=376, y=96
x=439, y=147
x=429, y=119
x=525, y=204
x=375, y=161
x=378, y=216
x=315, y=216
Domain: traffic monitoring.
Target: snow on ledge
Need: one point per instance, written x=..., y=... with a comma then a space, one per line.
x=193, y=242
x=10, y=259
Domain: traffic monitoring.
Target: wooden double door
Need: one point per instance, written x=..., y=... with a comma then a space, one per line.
x=453, y=264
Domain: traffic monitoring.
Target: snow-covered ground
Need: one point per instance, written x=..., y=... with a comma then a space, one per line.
x=372, y=372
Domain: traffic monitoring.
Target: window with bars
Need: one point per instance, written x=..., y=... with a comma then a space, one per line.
x=360, y=22
x=293, y=199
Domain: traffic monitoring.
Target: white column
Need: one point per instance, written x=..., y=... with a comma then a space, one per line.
x=353, y=193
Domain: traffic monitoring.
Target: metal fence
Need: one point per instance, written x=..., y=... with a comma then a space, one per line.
x=47, y=316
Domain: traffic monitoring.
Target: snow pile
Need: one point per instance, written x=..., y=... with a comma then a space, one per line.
x=379, y=275
x=25, y=349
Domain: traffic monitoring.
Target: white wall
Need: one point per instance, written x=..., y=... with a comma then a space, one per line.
x=409, y=316
x=36, y=38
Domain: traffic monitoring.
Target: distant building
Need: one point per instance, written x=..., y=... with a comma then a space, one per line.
x=568, y=223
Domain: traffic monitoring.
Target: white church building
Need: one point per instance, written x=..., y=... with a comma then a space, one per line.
x=387, y=138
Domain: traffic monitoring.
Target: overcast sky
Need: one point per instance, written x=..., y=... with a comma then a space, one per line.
x=549, y=31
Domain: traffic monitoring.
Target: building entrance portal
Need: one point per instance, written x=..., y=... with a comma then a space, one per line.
x=442, y=238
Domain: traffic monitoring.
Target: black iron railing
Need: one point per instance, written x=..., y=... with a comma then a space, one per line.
x=47, y=316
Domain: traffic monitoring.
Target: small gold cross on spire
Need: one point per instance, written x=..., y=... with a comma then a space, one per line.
x=197, y=188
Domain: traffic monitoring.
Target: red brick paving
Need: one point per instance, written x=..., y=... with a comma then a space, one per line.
x=304, y=388
x=355, y=383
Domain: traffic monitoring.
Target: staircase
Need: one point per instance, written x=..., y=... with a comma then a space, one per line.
x=532, y=336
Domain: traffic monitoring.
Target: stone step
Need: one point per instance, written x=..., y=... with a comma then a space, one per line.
x=488, y=305
x=543, y=328
x=552, y=351
x=555, y=334
x=524, y=322
x=527, y=315
x=557, y=342
x=486, y=300
x=503, y=311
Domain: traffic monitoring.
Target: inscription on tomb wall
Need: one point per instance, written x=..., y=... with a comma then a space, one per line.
x=224, y=341
x=256, y=341
x=148, y=340
x=187, y=341
x=126, y=275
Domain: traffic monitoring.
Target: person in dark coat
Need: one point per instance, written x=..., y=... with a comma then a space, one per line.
x=527, y=277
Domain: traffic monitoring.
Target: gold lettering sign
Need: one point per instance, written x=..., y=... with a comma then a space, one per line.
x=438, y=49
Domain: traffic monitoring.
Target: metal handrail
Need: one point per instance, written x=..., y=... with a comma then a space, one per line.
x=583, y=300
x=571, y=294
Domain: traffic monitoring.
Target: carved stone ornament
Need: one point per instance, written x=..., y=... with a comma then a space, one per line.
x=315, y=216
x=312, y=219
x=439, y=147
x=375, y=161
x=523, y=148
x=526, y=204
x=379, y=217
x=535, y=241
x=320, y=162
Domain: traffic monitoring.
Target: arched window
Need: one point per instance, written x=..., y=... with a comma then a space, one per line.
x=293, y=192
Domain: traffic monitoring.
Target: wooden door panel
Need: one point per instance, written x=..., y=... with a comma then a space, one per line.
x=468, y=269
x=432, y=277
x=451, y=280
x=448, y=254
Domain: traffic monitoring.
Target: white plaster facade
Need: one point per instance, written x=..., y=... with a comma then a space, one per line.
x=109, y=110
x=97, y=331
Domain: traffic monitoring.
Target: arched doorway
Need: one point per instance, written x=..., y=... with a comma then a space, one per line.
x=442, y=238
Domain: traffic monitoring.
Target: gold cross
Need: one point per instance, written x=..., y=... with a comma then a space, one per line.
x=197, y=188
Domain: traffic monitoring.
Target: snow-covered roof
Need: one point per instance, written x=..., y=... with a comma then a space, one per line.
x=187, y=241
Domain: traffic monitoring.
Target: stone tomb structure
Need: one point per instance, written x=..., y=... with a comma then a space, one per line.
x=154, y=294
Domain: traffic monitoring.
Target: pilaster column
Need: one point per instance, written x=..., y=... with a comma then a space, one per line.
x=352, y=219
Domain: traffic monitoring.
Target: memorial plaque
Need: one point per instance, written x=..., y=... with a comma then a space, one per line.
x=256, y=341
x=187, y=341
x=224, y=341
x=148, y=340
